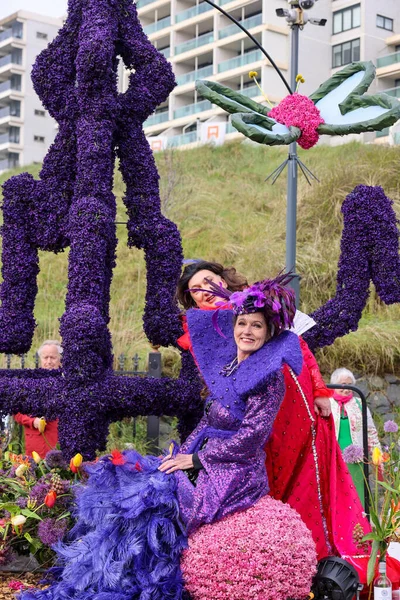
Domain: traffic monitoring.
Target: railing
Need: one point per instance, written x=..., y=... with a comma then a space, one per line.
x=4, y=35
x=393, y=92
x=206, y=38
x=233, y=29
x=193, y=75
x=192, y=12
x=161, y=24
x=4, y=138
x=383, y=133
x=5, y=165
x=389, y=59
x=182, y=140
x=5, y=86
x=4, y=112
x=250, y=91
x=240, y=61
x=191, y=109
x=160, y=117
x=166, y=52
x=141, y=3
x=5, y=60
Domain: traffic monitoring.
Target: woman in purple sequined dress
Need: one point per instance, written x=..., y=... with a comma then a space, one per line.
x=134, y=513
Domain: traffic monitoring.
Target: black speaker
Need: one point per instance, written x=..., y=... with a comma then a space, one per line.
x=336, y=579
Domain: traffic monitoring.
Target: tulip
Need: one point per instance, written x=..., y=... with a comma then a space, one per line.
x=18, y=520
x=50, y=499
x=36, y=457
x=385, y=457
x=42, y=424
x=73, y=468
x=77, y=460
x=21, y=470
x=377, y=456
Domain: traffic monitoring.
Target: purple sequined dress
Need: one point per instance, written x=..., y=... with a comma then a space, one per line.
x=133, y=520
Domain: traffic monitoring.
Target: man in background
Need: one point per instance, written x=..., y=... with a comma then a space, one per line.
x=40, y=436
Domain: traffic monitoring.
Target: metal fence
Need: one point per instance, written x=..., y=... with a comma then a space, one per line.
x=128, y=366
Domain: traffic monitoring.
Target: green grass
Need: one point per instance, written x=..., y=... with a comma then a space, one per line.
x=227, y=212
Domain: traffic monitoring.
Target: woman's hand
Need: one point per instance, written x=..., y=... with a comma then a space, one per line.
x=180, y=462
x=322, y=406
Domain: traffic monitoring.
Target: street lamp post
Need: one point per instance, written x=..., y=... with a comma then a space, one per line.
x=296, y=18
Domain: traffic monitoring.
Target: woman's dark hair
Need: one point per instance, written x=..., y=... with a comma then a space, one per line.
x=234, y=280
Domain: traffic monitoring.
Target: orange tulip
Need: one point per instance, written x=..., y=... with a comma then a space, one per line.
x=50, y=499
x=385, y=457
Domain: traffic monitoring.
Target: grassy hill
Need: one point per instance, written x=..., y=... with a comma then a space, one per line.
x=227, y=212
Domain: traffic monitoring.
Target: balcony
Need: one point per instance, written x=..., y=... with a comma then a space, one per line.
x=160, y=117
x=166, y=52
x=6, y=34
x=5, y=87
x=193, y=75
x=389, y=59
x=141, y=3
x=251, y=92
x=161, y=24
x=240, y=61
x=5, y=112
x=393, y=92
x=192, y=12
x=182, y=140
x=202, y=40
x=191, y=109
x=233, y=29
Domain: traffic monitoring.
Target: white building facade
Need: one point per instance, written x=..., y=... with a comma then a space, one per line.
x=201, y=43
x=26, y=128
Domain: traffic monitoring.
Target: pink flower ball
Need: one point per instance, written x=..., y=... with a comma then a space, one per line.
x=263, y=553
x=299, y=111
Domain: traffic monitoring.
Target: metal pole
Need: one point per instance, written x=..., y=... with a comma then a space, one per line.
x=291, y=209
x=153, y=422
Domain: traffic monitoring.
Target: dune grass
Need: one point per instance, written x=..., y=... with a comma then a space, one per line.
x=227, y=212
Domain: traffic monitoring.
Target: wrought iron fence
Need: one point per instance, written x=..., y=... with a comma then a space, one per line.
x=130, y=366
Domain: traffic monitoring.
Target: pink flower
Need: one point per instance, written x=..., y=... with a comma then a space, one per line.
x=299, y=111
x=15, y=585
x=263, y=553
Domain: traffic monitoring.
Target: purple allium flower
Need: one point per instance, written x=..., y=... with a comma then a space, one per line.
x=353, y=454
x=21, y=502
x=55, y=460
x=39, y=492
x=51, y=531
x=390, y=427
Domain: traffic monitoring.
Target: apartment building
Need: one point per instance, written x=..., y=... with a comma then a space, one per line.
x=201, y=43
x=26, y=129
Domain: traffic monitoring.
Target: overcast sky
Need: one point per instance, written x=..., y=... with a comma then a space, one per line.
x=51, y=8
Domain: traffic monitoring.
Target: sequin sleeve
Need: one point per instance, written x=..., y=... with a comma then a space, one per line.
x=261, y=410
x=318, y=384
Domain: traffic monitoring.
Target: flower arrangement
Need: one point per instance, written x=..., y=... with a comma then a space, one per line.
x=299, y=111
x=369, y=251
x=277, y=561
x=71, y=205
x=35, y=502
x=385, y=507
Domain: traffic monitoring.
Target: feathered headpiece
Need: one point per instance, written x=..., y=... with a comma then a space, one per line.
x=270, y=297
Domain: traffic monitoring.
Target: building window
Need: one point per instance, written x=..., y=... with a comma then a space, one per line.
x=13, y=160
x=384, y=22
x=16, y=81
x=343, y=54
x=40, y=113
x=17, y=30
x=38, y=138
x=15, y=108
x=346, y=19
x=16, y=56
x=13, y=134
x=41, y=36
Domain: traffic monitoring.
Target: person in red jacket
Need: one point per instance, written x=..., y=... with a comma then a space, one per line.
x=41, y=442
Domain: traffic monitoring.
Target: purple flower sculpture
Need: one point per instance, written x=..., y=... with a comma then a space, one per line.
x=353, y=454
x=390, y=427
x=369, y=252
x=73, y=205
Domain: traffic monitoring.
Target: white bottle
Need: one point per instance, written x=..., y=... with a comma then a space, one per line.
x=382, y=585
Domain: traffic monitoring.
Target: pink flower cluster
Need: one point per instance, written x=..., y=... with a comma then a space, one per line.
x=263, y=553
x=299, y=111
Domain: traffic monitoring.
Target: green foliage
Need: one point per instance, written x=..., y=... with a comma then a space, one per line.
x=227, y=212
